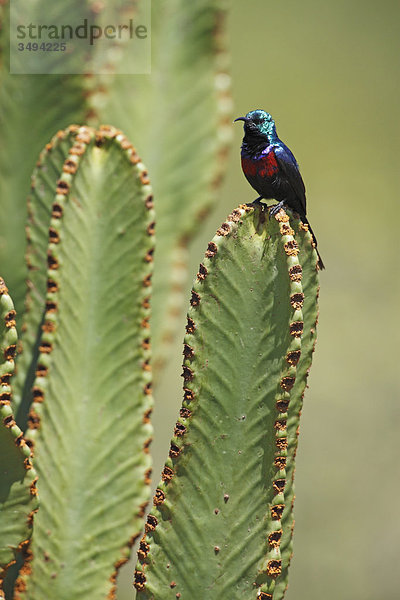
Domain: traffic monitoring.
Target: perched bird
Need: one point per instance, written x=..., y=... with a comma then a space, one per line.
x=270, y=167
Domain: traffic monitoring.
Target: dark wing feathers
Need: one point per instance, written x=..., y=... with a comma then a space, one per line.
x=287, y=163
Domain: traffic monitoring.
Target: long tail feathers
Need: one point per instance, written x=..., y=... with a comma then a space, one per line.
x=320, y=262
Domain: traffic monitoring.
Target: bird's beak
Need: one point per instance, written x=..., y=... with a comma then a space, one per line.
x=240, y=119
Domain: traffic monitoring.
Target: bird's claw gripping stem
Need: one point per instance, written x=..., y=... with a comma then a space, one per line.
x=276, y=208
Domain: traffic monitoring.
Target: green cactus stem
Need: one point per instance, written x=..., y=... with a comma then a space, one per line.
x=89, y=421
x=222, y=517
x=181, y=117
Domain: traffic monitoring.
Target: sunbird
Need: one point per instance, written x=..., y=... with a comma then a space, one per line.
x=271, y=168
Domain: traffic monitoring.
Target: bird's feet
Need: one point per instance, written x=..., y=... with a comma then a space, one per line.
x=257, y=202
x=276, y=208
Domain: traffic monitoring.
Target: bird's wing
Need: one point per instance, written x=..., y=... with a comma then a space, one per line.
x=288, y=164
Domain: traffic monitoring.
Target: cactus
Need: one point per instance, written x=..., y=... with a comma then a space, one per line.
x=180, y=118
x=82, y=390
x=18, y=495
x=221, y=523
x=226, y=496
x=188, y=81
x=86, y=358
x=32, y=109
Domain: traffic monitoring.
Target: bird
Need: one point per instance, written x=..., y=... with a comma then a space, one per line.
x=271, y=168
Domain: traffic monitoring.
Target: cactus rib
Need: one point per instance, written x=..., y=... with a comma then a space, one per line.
x=18, y=494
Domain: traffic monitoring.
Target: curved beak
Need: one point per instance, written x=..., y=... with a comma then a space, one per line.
x=240, y=119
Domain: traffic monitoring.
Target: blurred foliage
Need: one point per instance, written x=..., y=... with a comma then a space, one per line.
x=328, y=73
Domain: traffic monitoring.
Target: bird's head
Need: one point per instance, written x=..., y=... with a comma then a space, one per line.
x=258, y=123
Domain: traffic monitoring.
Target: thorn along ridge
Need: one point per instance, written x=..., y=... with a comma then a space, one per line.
x=54, y=237
x=151, y=228
x=296, y=328
x=291, y=248
x=285, y=229
x=147, y=280
x=10, y=319
x=195, y=299
x=235, y=215
x=9, y=421
x=185, y=413
x=5, y=379
x=38, y=394
x=274, y=538
x=287, y=383
x=174, y=451
x=188, y=395
x=149, y=202
x=167, y=474
x=187, y=373
x=140, y=581
x=280, y=462
x=224, y=229
x=190, y=327
x=45, y=347
x=10, y=351
x=202, y=274
x=282, y=405
x=51, y=306
x=52, y=286
x=277, y=511
x=293, y=357
x=49, y=326
x=274, y=568
x=188, y=351
x=3, y=287
x=57, y=210
x=5, y=398
x=279, y=485
x=145, y=324
x=159, y=497
x=281, y=443
x=70, y=166
x=212, y=250
x=296, y=273
x=179, y=429
x=62, y=187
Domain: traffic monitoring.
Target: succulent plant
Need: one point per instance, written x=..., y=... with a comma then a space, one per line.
x=179, y=117
x=222, y=519
x=75, y=428
x=85, y=360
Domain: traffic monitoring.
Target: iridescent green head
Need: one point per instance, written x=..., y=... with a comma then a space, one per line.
x=258, y=122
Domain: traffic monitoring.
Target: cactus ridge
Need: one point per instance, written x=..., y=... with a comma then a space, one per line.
x=7, y=367
x=83, y=138
x=273, y=563
x=45, y=206
x=307, y=274
x=205, y=413
x=189, y=101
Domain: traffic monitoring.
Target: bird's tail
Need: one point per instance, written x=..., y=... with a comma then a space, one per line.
x=320, y=262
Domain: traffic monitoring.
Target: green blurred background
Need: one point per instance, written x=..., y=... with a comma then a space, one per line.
x=329, y=74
